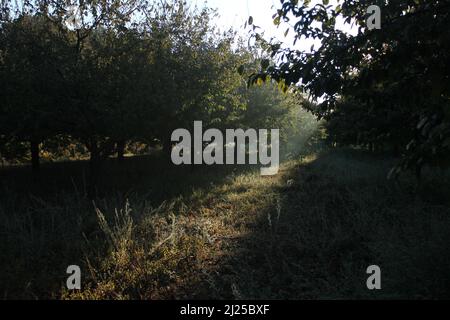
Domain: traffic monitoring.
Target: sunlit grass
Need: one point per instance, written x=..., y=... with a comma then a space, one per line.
x=308, y=232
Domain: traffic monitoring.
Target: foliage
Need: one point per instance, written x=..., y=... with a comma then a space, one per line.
x=129, y=72
x=393, y=83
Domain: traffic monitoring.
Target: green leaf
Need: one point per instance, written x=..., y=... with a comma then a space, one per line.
x=241, y=69
x=277, y=21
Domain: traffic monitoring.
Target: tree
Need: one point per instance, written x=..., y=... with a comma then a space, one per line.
x=126, y=72
x=393, y=83
x=193, y=68
x=59, y=80
x=31, y=99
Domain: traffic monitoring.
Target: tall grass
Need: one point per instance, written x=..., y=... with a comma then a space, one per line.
x=310, y=232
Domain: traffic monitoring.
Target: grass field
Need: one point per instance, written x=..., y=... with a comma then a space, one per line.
x=160, y=232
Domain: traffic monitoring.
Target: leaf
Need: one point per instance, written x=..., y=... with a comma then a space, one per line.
x=241, y=69
x=250, y=20
x=276, y=21
x=422, y=123
x=265, y=63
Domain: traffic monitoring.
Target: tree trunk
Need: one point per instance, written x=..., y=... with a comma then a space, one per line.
x=94, y=171
x=167, y=148
x=34, y=148
x=120, y=150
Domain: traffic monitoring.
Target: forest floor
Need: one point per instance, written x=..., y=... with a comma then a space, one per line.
x=160, y=232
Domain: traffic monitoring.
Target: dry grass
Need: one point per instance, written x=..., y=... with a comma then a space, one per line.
x=309, y=232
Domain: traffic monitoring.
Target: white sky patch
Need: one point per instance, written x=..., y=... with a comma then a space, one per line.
x=235, y=13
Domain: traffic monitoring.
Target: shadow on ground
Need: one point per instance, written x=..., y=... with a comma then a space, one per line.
x=327, y=219
x=163, y=232
x=47, y=222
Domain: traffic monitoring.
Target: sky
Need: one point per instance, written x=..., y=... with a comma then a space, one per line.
x=236, y=12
